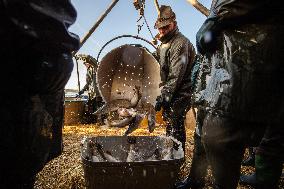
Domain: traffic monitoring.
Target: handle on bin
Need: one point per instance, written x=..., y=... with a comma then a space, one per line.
x=121, y=36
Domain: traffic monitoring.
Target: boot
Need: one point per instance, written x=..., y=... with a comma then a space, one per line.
x=198, y=170
x=248, y=179
x=268, y=171
x=249, y=161
x=189, y=183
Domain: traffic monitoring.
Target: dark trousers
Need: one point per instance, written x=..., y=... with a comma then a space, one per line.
x=93, y=105
x=175, y=116
x=225, y=140
x=31, y=114
x=199, y=164
x=270, y=157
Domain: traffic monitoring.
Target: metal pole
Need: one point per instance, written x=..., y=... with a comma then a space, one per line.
x=199, y=7
x=96, y=25
x=194, y=113
x=78, y=76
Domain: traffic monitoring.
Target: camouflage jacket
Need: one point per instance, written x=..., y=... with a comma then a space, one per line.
x=175, y=56
x=91, y=85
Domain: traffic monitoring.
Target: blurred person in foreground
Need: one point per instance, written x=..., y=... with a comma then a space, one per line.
x=175, y=55
x=36, y=41
x=243, y=96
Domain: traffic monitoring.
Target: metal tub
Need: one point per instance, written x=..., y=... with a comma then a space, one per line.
x=74, y=111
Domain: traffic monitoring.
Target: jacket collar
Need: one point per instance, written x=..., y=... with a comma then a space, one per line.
x=169, y=36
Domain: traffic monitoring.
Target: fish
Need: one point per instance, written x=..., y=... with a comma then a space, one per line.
x=155, y=156
x=132, y=154
x=173, y=149
x=110, y=158
x=136, y=97
x=95, y=159
x=133, y=118
x=114, y=105
x=130, y=111
x=88, y=147
x=120, y=123
x=167, y=153
x=151, y=117
x=107, y=156
x=149, y=110
x=134, y=124
x=124, y=112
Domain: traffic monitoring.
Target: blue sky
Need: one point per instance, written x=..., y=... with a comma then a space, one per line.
x=122, y=20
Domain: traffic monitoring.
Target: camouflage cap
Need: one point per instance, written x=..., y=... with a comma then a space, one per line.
x=91, y=60
x=88, y=59
x=166, y=17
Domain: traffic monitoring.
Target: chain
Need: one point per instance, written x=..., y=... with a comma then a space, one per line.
x=148, y=27
x=139, y=26
x=140, y=5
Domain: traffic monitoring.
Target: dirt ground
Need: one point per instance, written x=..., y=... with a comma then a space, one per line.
x=66, y=172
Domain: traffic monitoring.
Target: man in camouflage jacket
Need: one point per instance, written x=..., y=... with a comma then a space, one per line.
x=94, y=98
x=175, y=55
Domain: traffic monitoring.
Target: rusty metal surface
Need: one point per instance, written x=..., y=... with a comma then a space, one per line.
x=74, y=112
x=123, y=68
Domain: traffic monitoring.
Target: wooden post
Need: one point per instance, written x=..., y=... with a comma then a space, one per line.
x=199, y=7
x=157, y=7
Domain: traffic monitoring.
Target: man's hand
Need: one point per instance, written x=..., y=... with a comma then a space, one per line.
x=80, y=92
x=162, y=101
x=208, y=37
x=159, y=103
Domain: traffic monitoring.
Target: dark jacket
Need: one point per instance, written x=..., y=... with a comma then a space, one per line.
x=246, y=72
x=176, y=55
x=231, y=13
x=43, y=24
x=36, y=41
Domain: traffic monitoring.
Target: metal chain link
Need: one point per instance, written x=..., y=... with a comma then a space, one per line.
x=141, y=13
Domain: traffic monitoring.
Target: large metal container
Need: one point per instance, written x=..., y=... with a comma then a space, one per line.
x=123, y=68
x=160, y=174
x=74, y=111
